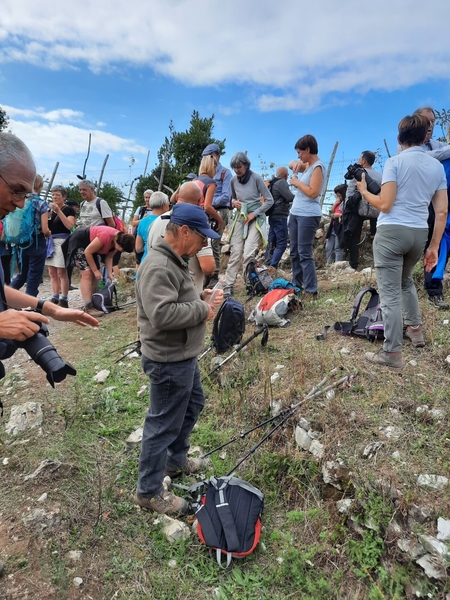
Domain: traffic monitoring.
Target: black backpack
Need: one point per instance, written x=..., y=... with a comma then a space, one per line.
x=105, y=300
x=257, y=279
x=369, y=324
x=269, y=187
x=229, y=512
x=228, y=326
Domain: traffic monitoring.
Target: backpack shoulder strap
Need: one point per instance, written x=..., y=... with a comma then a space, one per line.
x=358, y=300
x=98, y=205
x=226, y=516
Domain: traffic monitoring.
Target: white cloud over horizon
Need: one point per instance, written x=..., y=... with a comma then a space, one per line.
x=294, y=56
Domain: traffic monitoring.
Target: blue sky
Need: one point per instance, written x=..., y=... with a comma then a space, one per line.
x=270, y=72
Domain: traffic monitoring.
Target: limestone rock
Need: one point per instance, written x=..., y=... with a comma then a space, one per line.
x=49, y=465
x=24, y=416
x=411, y=547
x=317, y=449
x=443, y=527
x=173, y=529
x=433, y=567
x=101, y=376
x=302, y=438
x=135, y=438
x=42, y=520
x=371, y=449
x=435, y=482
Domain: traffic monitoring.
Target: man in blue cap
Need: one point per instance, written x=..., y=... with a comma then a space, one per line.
x=221, y=202
x=172, y=318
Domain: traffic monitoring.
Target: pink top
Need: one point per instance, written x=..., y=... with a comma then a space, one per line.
x=105, y=235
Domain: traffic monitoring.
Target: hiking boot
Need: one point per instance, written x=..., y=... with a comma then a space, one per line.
x=54, y=300
x=63, y=303
x=72, y=287
x=439, y=302
x=192, y=465
x=415, y=334
x=228, y=291
x=164, y=503
x=388, y=359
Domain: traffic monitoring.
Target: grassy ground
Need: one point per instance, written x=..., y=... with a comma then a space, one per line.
x=308, y=549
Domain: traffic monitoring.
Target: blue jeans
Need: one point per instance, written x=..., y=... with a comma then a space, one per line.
x=176, y=401
x=278, y=240
x=301, y=232
x=31, y=267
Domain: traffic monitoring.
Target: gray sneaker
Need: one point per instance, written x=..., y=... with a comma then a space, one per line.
x=228, y=291
x=439, y=302
x=192, y=465
x=388, y=359
x=165, y=503
x=415, y=334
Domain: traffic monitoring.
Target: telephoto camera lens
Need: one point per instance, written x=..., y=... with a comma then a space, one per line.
x=44, y=354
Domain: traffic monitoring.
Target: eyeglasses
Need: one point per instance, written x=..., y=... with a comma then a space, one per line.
x=15, y=193
x=204, y=237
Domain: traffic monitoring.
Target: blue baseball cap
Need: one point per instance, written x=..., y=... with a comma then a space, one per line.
x=194, y=217
x=210, y=149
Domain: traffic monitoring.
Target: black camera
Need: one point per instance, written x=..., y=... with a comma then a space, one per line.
x=44, y=354
x=355, y=171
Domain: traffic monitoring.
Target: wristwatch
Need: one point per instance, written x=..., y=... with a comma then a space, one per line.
x=40, y=306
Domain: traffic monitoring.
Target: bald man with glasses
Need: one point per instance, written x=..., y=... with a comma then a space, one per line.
x=17, y=175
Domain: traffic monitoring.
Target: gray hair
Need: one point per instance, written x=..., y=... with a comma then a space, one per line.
x=12, y=149
x=88, y=183
x=422, y=109
x=59, y=188
x=148, y=192
x=158, y=200
x=240, y=158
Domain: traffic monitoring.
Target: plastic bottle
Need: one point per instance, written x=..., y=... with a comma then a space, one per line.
x=219, y=286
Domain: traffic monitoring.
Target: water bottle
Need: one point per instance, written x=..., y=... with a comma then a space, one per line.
x=101, y=285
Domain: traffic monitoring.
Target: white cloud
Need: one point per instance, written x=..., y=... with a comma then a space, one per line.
x=49, y=140
x=295, y=55
x=60, y=114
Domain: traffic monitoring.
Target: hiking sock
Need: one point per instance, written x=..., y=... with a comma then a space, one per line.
x=56, y=296
x=61, y=297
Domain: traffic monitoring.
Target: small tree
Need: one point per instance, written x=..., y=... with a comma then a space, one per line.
x=4, y=121
x=443, y=120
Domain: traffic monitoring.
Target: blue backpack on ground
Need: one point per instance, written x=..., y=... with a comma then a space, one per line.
x=21, y=227
x=228, y=326
x=369, y=324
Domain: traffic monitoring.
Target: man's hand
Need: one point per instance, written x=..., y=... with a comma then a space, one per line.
x=97, y=275
x=217, y=299
x=249, y=218
x=20, y=325
x=210, y=314
x=68, y=314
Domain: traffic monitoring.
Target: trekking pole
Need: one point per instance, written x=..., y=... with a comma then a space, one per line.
x=205, y=352
x=345, y=379
x=315, y=392
x=280, y=415
x=263, y=329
